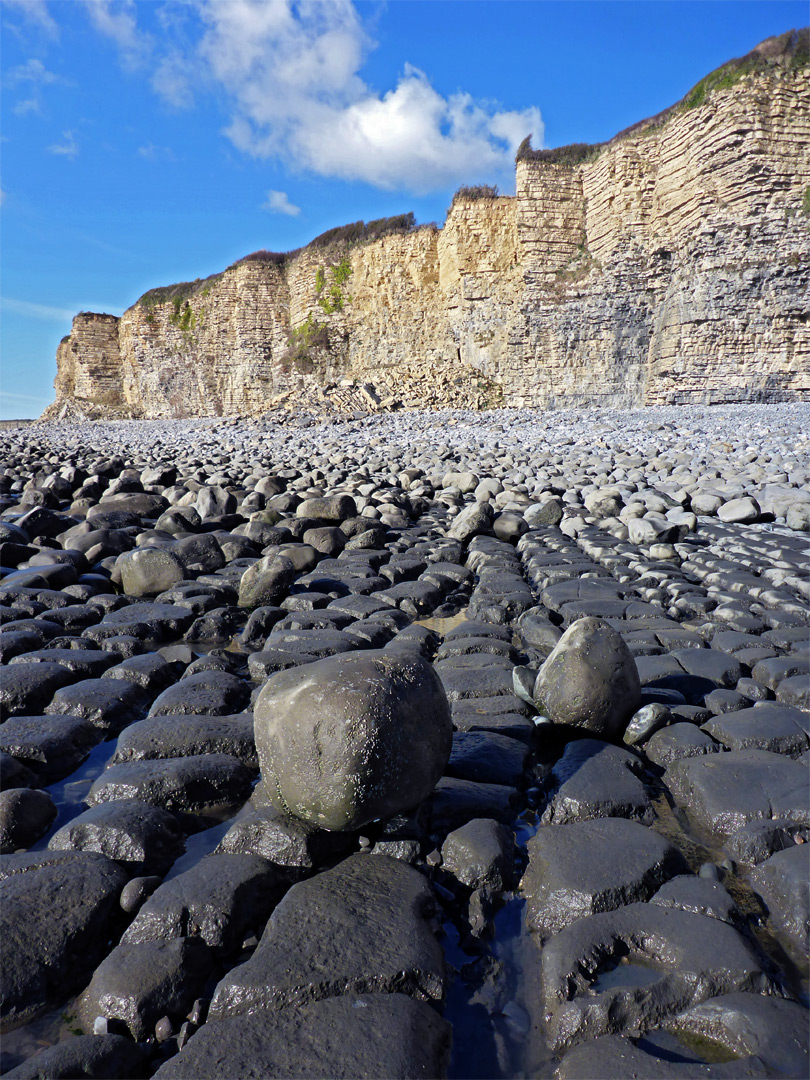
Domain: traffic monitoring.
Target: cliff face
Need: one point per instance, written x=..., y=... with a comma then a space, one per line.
x=671, y=268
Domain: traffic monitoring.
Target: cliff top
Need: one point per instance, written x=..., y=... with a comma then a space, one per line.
x=788, y=51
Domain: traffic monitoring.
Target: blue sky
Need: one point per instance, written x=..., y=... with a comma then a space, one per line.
x=154, y=141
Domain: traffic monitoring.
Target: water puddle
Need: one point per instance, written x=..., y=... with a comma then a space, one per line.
x=624, y=974
x=69, y=794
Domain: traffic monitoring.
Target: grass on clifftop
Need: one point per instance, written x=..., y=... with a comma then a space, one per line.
x=788, y=52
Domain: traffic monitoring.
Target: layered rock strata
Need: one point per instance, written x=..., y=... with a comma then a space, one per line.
x=668, y=267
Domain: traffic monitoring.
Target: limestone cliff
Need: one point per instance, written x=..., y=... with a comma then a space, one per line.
x=667, y=266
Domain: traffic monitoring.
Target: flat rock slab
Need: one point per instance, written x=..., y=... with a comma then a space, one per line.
x=189, y=735
x=97, y=1057
x=339, y=1038
x=26, y=689
x=487, y=757
x=615, y=1057
x=220, y=900
x=188, y=783
x=50, y=746
x=679, y=741
x=137, y=985
x=289, y=844
x=109, y=704
x=691, y=958
x=756, y=1025
x=722, y=792
x=701, y=896
x=475, y=676
x=144, y=839
x=761, y=838
x=209, y=693
x=594, y=779
x=781, y=881
x=56, y=910
x=767, y=726
x=86, y=663
x=587, y=867
x=455, y=802
x=361, y=927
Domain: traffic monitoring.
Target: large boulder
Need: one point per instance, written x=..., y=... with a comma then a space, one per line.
x=352, y=738
x=266, y=581
x=589, y=680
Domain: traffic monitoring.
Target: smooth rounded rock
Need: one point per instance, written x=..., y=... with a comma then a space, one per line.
x=352, y=738
x=589, y=680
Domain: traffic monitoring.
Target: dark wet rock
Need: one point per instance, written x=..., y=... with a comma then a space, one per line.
x=149, y=571
x=593, y=779
x=50, y=746
x=56, y=912
x=136, y=985
x=475, y=629
x=161, y=621
x=477, y=646
x=586, y=867
x=15, y=642
x=701, y=896
x=589, y=680
x=475, y=676
x=266, y=581
x=346, y=740
x=144, y=839
x=711, y=664
x=719, y=702
x=617, y=1057
x=696, y=957
x=188, y=783
x=678, y=741
x=758, y=840
x=14, y=774
x=25, y=689
x=487, y=757
x=316, y=643
x=415, y=598
x=25, y=815
x=338, y=1038
x=150, y=671
x=292, y=846
x=188, y=735
x=455, y=802
x=201, y=553
x=331, y=508
x=722, y=792
x=767, y=726
x=763, y=1027
x=781, y=881
x=98, y=1057
x=320, y=941
x=108, y=704
x=261, y=665
x=220, y=900
x=85, y=663
x=136, y=891
x=481, y=855
x=795, y=691
x=208, y=693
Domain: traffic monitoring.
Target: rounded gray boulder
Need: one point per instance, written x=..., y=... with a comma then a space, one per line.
x=352, y=738
x=590, y=680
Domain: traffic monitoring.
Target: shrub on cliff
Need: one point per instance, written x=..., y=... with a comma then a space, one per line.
x=572, y=154
x=478, y=191
x=358, y=232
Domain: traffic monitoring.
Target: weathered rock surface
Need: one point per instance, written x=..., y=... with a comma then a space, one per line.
x=350, y=739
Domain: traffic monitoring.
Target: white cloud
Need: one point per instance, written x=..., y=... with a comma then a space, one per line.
x=33, y=71
x=36, y=12
x=116, y=20
x=278, y=203
x=67, y=148
x=41, y=312
x=28, y=105
x=156, y=153
x=291, y=75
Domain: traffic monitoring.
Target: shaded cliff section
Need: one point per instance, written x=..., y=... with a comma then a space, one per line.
x=669, y=266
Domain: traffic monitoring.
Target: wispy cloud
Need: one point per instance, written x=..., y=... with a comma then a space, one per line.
x=150, y=152
x=41, y=312
x=68, y=147
x=278, y=202
x=28, y=106
x=36, y=12
x=116, y=20
x=7, y=397
x=33, y=71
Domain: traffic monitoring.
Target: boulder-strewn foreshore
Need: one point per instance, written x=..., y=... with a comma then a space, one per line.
x=409, y=745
